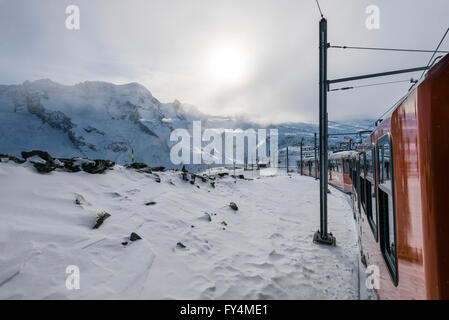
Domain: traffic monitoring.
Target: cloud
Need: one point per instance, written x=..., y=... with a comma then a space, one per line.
x=165, y=44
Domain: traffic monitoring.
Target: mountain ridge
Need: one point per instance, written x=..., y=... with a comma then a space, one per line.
x=98, y=119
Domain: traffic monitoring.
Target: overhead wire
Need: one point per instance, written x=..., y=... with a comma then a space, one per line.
x=386, y=49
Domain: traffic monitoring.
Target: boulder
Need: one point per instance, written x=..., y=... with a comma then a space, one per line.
x=100, y=166
x=233, y=206
x=137, y=165
x=134, y=237
x=102, y=216
x=41, y=154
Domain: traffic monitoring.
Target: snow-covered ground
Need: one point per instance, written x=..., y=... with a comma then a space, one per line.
x=262, y=251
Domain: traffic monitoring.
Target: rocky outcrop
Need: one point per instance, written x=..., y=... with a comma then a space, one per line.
x=99, y=166
x=12, y=158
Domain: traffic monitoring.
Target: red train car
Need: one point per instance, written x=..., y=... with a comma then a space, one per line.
x=400, y=187
x=340, y=168
x=310, y=167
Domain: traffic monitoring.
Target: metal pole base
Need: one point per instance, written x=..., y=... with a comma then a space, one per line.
x=328, y=239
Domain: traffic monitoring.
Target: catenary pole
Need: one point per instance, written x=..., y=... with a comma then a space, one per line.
x=322, y=236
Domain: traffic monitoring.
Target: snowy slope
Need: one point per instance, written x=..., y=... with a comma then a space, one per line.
x=262, y=251
x=107, y=121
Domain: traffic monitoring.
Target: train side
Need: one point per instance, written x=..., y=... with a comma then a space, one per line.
x=340, y=165
x=400, y=189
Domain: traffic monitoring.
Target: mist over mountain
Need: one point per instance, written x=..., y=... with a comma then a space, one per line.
x=102, y=120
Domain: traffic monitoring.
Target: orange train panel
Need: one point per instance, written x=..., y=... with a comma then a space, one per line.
x=419, y=129
x=433, y=146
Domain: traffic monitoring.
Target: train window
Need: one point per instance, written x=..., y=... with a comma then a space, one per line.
x=370, y=189
x=346, y=166
x=362, y=180
x=386, y=206
x=362, y=163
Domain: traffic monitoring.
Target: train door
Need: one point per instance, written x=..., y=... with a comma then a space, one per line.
x=387, y=228
x=362, y=202
x=370, y=190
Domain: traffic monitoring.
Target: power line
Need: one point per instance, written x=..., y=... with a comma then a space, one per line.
x=374, y=85
x=435, y=52
x=319, y=8
x=392, y=107
x=428, y=64
x=386, y=49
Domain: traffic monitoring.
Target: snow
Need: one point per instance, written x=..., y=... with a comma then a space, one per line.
x=262, y=251
x=343, y=155
x=100, y=120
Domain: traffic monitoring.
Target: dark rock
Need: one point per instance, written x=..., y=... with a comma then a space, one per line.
x=137, y=165
x=101, y=218
x=181, y=245
x=145, y=170
x=124, y=243
x=192, y=226
x=79, y=200
x=12, y=158
x=44, y=167
x=157, y=179
x=233, y=206
x=158, y=169
x=41, y=154
x=241, y=176
x=150, y=203
x=134, y=237
x=221, y=175
x=224, y=223
x=69, y=164
x=100, y=166
x=208, y=217
x=212, y=184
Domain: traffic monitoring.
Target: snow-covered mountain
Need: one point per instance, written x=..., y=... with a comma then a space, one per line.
x=108, y=121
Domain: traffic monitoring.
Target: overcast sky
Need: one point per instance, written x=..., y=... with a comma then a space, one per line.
x=168, y=46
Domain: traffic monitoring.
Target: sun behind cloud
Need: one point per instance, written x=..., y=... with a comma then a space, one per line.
x=227, y=65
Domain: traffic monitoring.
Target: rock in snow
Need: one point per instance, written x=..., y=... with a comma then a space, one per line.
x=210, y=263
x=233, y=206
x=134, y=237
x=102, y=216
